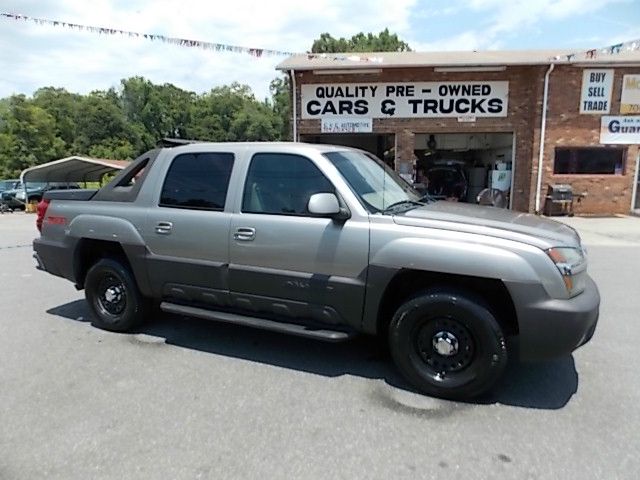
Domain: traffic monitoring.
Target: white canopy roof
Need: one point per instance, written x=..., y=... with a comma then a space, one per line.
x=72, y=169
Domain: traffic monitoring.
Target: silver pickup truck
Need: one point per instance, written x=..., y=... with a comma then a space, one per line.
x=323, y=242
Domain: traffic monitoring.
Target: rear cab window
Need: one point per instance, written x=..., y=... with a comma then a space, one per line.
x=198, y=181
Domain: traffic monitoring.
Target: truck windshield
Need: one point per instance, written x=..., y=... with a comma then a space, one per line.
x=377, y=186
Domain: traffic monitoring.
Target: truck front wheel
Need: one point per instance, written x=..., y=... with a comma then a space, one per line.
x=113, y=296
x=448, y=344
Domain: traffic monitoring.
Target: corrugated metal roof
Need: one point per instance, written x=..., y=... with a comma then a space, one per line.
x=352, y=61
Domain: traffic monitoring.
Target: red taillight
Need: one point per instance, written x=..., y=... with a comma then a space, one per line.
x=42, y=211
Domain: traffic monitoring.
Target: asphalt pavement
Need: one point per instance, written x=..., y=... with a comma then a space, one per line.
x=185, y=398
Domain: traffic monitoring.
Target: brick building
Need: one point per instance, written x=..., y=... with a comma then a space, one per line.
x=431, y=114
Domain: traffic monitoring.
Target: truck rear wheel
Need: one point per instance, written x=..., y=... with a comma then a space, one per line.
x=113, y=296
x=448, y=344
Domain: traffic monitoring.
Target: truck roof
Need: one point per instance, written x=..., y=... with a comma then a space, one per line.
x=293, y=147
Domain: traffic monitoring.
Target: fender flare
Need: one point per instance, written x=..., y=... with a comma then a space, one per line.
x=455, y=257
x=100, y=227
x=115, y=230
x=439, y=256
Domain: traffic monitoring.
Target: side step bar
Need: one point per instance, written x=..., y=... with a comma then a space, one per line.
x=290, y=328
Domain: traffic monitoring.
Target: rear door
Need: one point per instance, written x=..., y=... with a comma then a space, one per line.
x=285, y=261
x=187, y=230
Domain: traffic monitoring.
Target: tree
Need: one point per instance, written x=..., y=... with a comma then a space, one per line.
x=281, y=105
x=254, y=123
x=101, y=121
x=383, y=42
x=113, y=148
x=215, y=111
x=123, y=123
x=27, y=136
x=156, y=111
x=63, y=107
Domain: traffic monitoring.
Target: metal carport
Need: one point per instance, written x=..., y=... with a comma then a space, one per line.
x=72, y=169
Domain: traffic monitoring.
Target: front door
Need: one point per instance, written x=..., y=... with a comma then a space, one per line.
x=187, y=230
x=284, y=261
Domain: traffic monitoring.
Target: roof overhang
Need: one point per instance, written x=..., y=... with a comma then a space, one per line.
x=354, y=63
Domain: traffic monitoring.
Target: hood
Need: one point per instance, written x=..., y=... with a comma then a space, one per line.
x=498, y=222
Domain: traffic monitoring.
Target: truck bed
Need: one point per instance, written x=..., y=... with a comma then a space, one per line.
x=83, y=194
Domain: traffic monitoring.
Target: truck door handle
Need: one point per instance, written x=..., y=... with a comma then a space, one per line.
x=245, y=234
x=164, y=228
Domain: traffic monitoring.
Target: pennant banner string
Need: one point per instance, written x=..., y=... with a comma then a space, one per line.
x=183, y=42
x=632, y=45
x=629, y=46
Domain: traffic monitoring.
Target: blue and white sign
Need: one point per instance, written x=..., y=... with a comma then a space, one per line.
x=620, y=130
x=596, y=91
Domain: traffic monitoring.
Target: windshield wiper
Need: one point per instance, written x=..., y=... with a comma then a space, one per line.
x=427, y=198
x=402, y=203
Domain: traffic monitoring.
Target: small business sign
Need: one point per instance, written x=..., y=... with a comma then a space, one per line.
x=630, y=99
x=596, y=91
x=406, y=100
x=620, y=130
x=346, y=125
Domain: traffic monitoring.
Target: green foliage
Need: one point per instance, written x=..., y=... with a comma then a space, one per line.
x=383, y=42
x=280, y=90
x=156, y=111
x=27, y=136
x=100, y=119
x=124, y=123
x=114, y=149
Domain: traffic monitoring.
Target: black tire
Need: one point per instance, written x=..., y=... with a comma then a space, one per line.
x=464, y=328
x=113, y=296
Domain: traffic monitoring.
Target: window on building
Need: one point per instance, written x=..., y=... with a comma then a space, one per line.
x=197, y=181
x=281, y=184
x=594, y=161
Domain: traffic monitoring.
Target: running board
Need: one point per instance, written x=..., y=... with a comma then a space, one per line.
x=290, y=328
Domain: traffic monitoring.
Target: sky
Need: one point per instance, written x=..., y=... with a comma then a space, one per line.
x=34, y=56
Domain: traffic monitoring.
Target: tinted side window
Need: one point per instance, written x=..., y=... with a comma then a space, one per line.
x=281, y=184
x=197, y=181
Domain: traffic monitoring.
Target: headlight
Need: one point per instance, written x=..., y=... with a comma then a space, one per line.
x=569, y=261
x=20, y=195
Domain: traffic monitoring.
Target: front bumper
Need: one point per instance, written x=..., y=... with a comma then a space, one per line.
x=550, y=328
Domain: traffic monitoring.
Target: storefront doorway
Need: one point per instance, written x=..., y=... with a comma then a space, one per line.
x=463, y=166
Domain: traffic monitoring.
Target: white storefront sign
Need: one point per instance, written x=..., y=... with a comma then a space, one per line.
x=596, y=91
x=630, y=99
x=620, y=130
x=347, y=125
x=406, y=100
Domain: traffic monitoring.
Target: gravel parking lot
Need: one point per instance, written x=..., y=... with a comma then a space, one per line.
x=184, y=398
